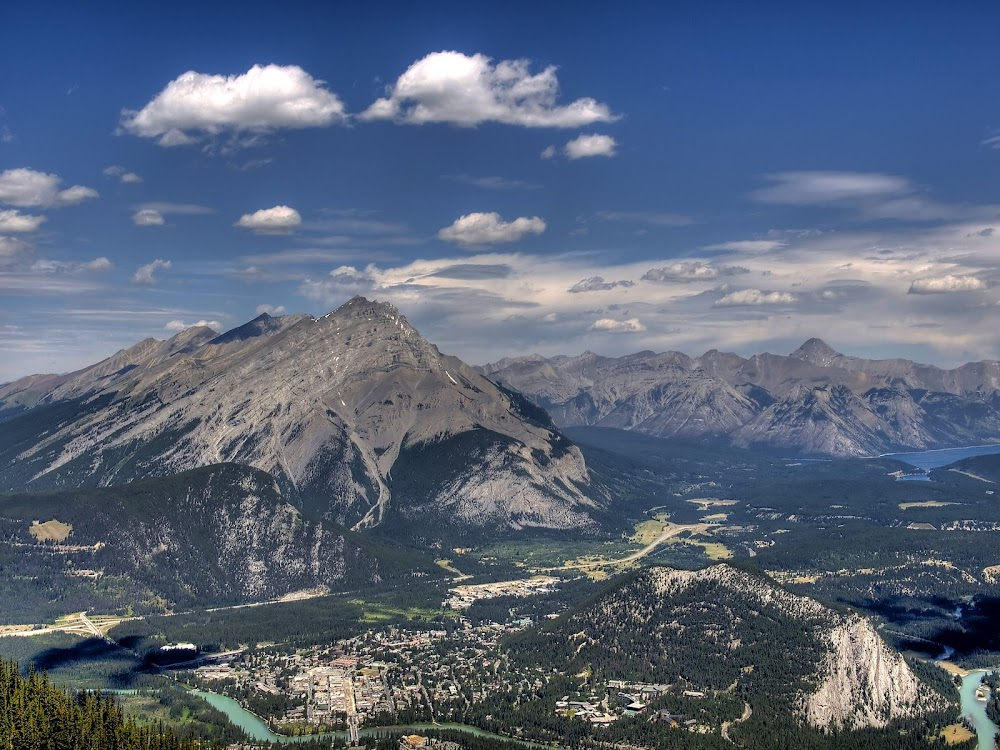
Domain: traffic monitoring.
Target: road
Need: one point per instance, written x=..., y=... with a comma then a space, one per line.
x=747, y=713
x=670, y=531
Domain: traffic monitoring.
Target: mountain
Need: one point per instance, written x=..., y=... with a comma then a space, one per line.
x=814, y=400
x=714, y=630
x=354, y=414
x=211, y=536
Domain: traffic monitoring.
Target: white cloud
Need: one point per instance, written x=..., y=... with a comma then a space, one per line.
x=947, y=283
x=755, y=297
x=164, y=207
x=549, y=152
x=492, y=183
x=277, y=220
x=342, y=281
x=180, y=325
x=815, y=188
x=147, y=217
x=265, y=98
x=748, y=246
x=122, y=174
x=468, y=90
x=490, y=229
x=591, y=145
x=597, y=284
x=632, y=325
x=651, y=218
x=26, y=187
x=11, y=247
x=61, y=266
x=15, y=221
x=270, y=309
x=692, y=270
x=147, y=274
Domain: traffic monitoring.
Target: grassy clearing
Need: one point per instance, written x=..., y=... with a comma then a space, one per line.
x=446, y=565
x=50, y=531
x=553, y=553
x=377, y=612
x=956, y=734
x=715, y=518
x=648, y=531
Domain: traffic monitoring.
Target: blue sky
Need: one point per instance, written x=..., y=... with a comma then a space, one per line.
x=515, y=178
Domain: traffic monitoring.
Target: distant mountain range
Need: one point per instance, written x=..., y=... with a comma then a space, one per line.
x=813, y=401
x=354, y=414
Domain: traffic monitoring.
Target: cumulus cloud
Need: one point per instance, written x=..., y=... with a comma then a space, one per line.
x=15, y=221
x=632, y=325
x=148, y=217
x=147, y=274
x=61, y=266
x=489, y=229
x=468, y=90
x=265, y=98
x=270, y=309
x=277, y=220
x=344, y=280
x=591, y=145
x=947, y=283
x=597, y=284
x=122, y=174
x=755, y=297
x=180, y=325
x=549, y=152
x=28, y=188
x=691, y=270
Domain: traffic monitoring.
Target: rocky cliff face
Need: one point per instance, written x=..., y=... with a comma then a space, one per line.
x=815, y=400
x=863, y=682
x=325, y=405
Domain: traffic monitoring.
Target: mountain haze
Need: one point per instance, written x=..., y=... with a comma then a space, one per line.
x=814, y=400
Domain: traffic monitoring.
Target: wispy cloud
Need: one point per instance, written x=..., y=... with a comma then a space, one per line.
x=492, y=183
x=649, y=218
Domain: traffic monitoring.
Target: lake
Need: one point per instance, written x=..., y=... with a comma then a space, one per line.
x=928, y=460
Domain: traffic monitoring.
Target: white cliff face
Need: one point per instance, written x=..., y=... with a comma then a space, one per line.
x=323, y=404
x=864, y=682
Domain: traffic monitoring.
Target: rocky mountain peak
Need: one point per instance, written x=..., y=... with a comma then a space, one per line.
x=343, y=410
x=817, y=352
x=362, y=307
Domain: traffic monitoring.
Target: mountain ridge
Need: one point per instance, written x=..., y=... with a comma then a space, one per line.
x=816, y=399
x=325, y=405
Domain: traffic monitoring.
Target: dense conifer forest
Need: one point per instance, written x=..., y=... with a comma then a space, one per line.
x=36, y=714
